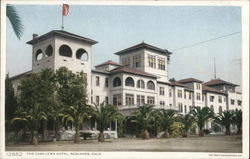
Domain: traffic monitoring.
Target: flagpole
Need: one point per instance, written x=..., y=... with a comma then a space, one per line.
x=62, y=20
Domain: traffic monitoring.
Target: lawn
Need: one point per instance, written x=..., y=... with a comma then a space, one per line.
x=219, y=143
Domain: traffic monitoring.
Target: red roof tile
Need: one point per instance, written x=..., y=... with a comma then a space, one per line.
x=190, y=80
x=109, y=62
x=218, y=82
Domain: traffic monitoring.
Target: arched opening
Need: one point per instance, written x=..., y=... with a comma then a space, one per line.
x=140, y=84
x=49, y=51
x=129, y=82
x=65, y=50
x=39, y=55
x=151, y=85
x=82, y=54
x=117, y=82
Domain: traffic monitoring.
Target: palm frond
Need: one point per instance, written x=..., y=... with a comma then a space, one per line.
x=15, y=20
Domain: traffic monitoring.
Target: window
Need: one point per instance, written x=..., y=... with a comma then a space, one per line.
x=224, y=99
x=185, y=109
x=97, y=100
x=190, y=95
x=82, y=54
x=151, y=100
x=129, y=99
x=212, y=108
x=220, y=110
x=126, y=61
x=190, y=108
x=162, y=103
x=140, y=100
x=106, y=82
x=151, y=61
x=203, y=97
x=136, y=61
x=239, y=102
x=140, y=84
x=97, y=81
x=170, y=105
x=162, y=91
x=129, y=82
x=179, y=94
x=185, y=95
x=49, y=51
x=232, y=101
x=117, y=99
x=117, y=82
x=39, y=55
x=151, y=85
x=65, y=50
x=170, y=93
x=198, y=86
x=106, y=100
x=198, y=96
x=161, y=63
x=220, y=99
x=180, y=107
x=211, y=98
x=91, y=100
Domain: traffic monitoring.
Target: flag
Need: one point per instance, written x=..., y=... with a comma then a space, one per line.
x=65, y=10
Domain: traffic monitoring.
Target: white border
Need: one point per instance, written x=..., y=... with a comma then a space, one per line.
x=245, y=83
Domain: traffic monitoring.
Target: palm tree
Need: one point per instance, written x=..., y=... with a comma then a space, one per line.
x=225, y=119
x=201, y=115
x=143, y=117
x=187, y=121
x=15, y=20
x=167, y=117
x=32, y=117
x=238, y=120
x=76, y=115
x=104, y=115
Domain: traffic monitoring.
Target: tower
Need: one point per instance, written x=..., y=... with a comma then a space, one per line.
x=59, y=48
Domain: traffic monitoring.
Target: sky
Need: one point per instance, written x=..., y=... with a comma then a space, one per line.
x=119, y=27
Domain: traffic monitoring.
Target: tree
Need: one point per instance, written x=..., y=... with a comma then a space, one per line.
x=238, y=120
x=143, y=117
x=187, y=121
x=72, y=96
x=225, y=119
x=10, y=99
x=37, y=91
x=15, y=20
x=201, y=115
x=167, y=117
x=104, y=115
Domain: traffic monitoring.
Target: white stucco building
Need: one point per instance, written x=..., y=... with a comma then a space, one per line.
x=140, y=77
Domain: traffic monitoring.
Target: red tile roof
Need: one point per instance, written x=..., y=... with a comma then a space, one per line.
x=209, y=89
x=132, y=71
x=173, y=82
x=109, y=62
x=218, y=82
x=143, y=45
x=189, y=80
x=61, y=33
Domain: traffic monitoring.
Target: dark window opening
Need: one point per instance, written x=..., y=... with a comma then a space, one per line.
x=65, y=50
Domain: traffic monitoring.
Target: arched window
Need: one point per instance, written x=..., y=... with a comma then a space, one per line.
x=220, y=110
x=65, y=50
x=49, y=51
x=151, y=85
x=129, y=82
x=39, y=54
x=212, y=108
x=140, y=84
x=117, y=82
x=82, y=54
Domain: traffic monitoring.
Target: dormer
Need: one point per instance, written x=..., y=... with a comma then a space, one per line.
x=221, y=85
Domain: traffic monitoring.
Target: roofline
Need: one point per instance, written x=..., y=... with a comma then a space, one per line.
x=101, y=72
x=121, y=71
x=205, y=91
x=222, y=84
x=21, y=75
x=141, y=46
x=66, y=34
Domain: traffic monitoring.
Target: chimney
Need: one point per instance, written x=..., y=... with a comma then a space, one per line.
x=35, y=36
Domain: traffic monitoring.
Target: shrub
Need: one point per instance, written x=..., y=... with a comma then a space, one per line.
x=176, y=129
x=85, y=135
x=206, y=131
